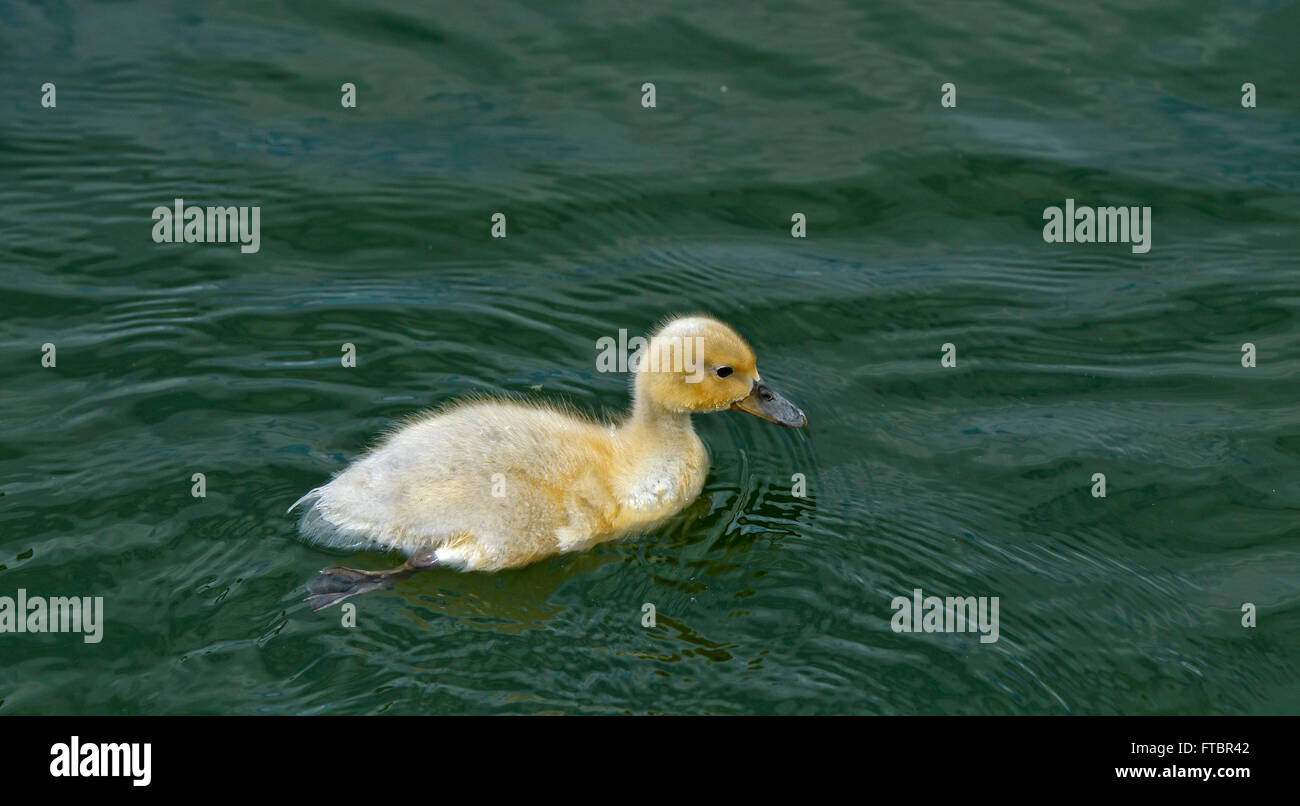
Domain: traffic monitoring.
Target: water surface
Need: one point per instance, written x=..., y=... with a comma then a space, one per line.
x=924, y=228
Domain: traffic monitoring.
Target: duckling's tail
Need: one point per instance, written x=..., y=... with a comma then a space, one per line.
x=320, y=524
x=311, y=496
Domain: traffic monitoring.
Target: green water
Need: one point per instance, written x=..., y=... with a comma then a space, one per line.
x=924, y=228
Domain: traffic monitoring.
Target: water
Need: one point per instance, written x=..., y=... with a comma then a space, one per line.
x=924, y=228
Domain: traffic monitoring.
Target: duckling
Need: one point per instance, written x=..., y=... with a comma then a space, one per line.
x=490, y=484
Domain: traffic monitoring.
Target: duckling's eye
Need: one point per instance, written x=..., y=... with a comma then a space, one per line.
x=723, y=372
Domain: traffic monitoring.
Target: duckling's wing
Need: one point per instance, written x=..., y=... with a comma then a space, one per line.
x=433, y=482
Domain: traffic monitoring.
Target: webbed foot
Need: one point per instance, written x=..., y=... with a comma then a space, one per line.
x=335, y=584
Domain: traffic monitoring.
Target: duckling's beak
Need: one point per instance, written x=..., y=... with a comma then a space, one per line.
x=763, y=402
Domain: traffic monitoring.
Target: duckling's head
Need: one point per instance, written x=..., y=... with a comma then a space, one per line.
x=696, y=364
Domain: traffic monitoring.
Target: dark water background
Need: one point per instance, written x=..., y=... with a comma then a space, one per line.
x=924, y=227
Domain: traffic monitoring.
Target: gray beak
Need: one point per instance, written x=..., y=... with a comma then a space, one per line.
x=763, y=402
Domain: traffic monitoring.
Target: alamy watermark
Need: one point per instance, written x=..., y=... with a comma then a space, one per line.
x=103, y=760
x=193, y=224
x=953, y=614
x=68, y=614
x=668, y=354
x=1099, y=225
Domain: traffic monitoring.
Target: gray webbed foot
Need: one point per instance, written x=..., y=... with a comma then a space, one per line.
x=335, y=584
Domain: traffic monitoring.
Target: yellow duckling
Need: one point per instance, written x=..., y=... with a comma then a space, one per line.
x=490, y=484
